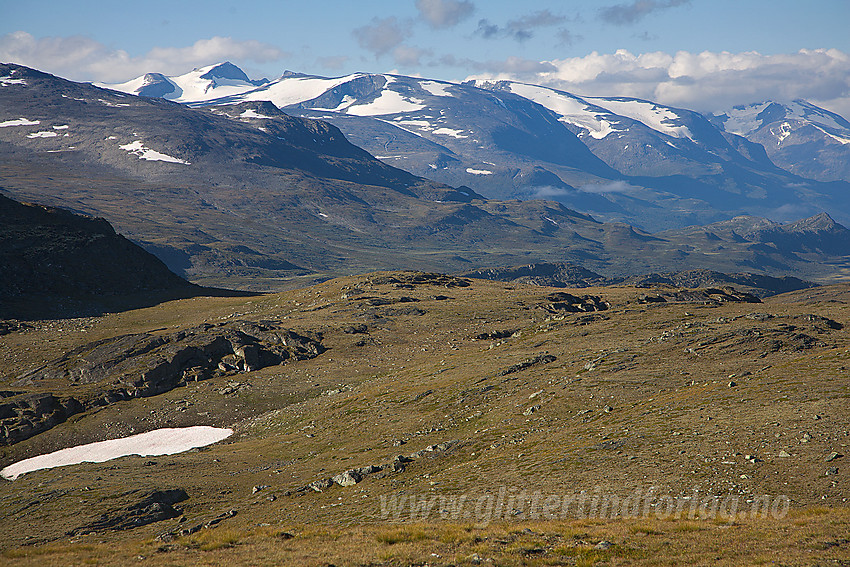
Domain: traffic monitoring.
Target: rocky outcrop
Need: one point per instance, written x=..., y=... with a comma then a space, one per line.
x=28, y=415
x=756, y=284
x=543, y=274
x=152, y=507
x=146, y=364
x=560, y=302
x=408, y=280
x=536, y=361
x=707, y=296
x=351, y=477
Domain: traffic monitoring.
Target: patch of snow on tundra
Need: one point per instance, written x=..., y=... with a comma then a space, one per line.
x=166, y=441
x=478, y=171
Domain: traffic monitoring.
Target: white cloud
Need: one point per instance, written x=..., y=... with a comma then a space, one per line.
x=381, y=36
x=407, y=56
x=82, y=58
x=444, y=13
x=707, y=81
x=520, y=29
x=623, y=14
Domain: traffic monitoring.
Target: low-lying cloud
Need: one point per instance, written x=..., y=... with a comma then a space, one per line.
x=611, y=187
x=707, y=81
x=82, y=58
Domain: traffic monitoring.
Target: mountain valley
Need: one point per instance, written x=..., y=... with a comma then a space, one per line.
x=245, y=195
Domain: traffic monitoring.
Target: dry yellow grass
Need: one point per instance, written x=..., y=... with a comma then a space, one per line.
x=805, y=537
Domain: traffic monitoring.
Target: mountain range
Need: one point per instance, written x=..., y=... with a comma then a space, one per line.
x=616, y=158
x=243, y=194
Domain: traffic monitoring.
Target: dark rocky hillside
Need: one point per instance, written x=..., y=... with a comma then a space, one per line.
x=47, y=252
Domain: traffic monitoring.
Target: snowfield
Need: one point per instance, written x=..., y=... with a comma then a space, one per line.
x=19, y=122
x=166, y=441
x=572, y=110
x=390, y=102
x=295, y=90
x=450, y=132
x=43, y=134
x=139, y=149
x=659, y=118
x=435, y=88
x=746, y=119
x=251, y=113
x=9, y=80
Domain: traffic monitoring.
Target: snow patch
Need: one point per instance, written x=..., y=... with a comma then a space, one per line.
x=435, y=88
x=139, y=149
x=166, y=441
x=112, y=104
x=251, y=113
x=390, y=102
x=421, y=124
x=8, y=80
x=19, y=122
x=833, y=136
x=571, y=109
x=784, y=131
x=743, y=120
x=450, y=132
x=62, y=127
x=295, y=90
x=659, y=118
x=43, y=134
x=346, y=101
x=478, y=171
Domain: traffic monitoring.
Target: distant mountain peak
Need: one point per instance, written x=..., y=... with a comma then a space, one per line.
x=819, y=223
x=155, y=85
x=226, y=70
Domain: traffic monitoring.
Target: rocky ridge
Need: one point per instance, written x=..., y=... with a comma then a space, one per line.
x=143, y=365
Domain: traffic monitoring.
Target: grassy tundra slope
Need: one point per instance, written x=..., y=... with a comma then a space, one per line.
x=458, y=392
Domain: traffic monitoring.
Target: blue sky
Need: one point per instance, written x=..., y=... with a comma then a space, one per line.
x=695, y=53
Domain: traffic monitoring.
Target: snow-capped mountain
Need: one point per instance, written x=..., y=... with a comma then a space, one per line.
x=240, y=187
x=635, y=136
x=617, y=158
x=798, y=136
x=201, y=84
